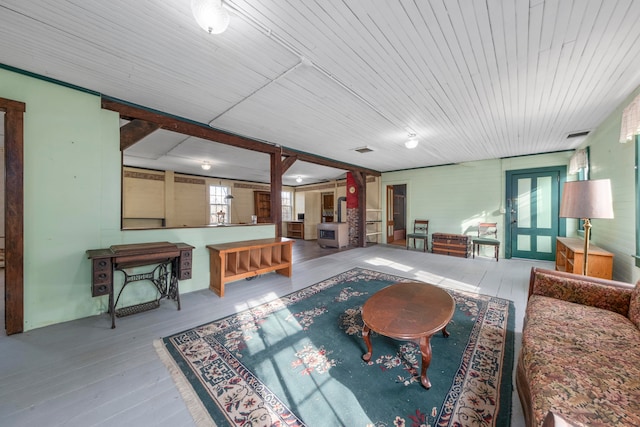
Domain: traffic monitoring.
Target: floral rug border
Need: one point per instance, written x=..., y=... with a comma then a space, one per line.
x=493, y=326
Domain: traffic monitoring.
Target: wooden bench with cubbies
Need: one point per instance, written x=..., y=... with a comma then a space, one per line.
x=246, y=259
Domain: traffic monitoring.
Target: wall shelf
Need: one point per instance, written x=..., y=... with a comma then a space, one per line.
x=295, y=229
x=373, y=225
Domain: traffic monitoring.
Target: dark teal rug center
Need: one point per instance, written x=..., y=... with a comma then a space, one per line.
x=297, y=361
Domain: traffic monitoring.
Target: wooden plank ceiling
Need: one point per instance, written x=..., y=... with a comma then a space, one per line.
x=473, y=79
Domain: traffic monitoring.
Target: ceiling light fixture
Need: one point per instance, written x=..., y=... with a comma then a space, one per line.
x=412, y=142
x=299, y=179
x=210, y=15
x=205, y=165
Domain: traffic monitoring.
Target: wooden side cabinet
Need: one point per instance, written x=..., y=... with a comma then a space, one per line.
x=570, y=258
x=295, y=229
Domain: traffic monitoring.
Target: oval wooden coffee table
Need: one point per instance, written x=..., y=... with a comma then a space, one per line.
x=408, y=311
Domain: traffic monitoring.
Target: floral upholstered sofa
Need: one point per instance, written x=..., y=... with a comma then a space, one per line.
x=580, y=355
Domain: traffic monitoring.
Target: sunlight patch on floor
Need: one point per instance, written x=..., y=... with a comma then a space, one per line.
x=435, y=279
x=254, y=302
x=389, y=263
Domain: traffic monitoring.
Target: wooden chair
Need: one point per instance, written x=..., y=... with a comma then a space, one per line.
x=486, y=229
x=420, y=232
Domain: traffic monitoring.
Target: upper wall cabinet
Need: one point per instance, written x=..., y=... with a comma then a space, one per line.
x=262, y=204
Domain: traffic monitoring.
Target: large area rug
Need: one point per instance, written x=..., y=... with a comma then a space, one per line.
x=296, y=361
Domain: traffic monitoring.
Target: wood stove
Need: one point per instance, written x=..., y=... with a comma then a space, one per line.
x=333, y=234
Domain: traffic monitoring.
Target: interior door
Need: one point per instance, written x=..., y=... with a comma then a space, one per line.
x=533, y=200
x=390, y=200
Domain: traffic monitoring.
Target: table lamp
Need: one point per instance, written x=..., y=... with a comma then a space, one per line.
x=586, y=200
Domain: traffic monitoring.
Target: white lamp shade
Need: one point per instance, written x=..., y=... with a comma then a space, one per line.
x=587, y=199
x=210, y=15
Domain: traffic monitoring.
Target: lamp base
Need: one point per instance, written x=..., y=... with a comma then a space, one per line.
x=587, y=236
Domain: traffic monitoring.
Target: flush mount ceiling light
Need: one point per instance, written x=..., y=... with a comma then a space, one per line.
x=299, y=179
x=210, y=15
x=412, y=142
x=205, y=165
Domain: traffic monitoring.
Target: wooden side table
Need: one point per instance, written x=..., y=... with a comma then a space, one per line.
x=570, y=258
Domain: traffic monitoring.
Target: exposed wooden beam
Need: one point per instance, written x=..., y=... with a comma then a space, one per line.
x=276, y=192
x=318, y=160
x=186, y=127
x=134, y=131
x=200, y=130
x=287, y=162
x=14, y=214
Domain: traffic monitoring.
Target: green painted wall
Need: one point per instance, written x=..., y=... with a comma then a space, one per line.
x=616, y=161
x=72, y=199
x=72, y=203
x=455, y=198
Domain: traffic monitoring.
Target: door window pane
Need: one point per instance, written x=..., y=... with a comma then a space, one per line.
x=524, y=203
x=544, y=244
x=524, y=242
x=543, y=202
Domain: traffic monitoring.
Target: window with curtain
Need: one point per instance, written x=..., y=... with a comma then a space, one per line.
x=630, y=131
x=630, y=123
x=219, y=205
x=287, y=206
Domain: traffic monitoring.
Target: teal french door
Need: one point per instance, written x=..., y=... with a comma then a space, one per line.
x=532, y=217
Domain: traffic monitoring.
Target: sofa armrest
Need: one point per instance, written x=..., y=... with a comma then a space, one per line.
x=601, y=293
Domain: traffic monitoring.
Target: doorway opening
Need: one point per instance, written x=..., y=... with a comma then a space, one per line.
x=397, y=214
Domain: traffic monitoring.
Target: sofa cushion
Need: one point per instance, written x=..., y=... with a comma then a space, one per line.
x=582, y=363
x=634, y=306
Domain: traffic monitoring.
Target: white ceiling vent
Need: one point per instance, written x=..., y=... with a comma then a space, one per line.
x=578, y=134
x=363, y=150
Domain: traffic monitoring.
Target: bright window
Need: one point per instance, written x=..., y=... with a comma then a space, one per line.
x=287, y=206
x=219, y=205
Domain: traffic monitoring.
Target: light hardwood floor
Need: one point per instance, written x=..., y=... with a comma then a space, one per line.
x=82, y=373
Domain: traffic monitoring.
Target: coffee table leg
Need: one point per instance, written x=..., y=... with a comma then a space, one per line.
x=444, y=332
x=425, y=349
x=367, y=340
